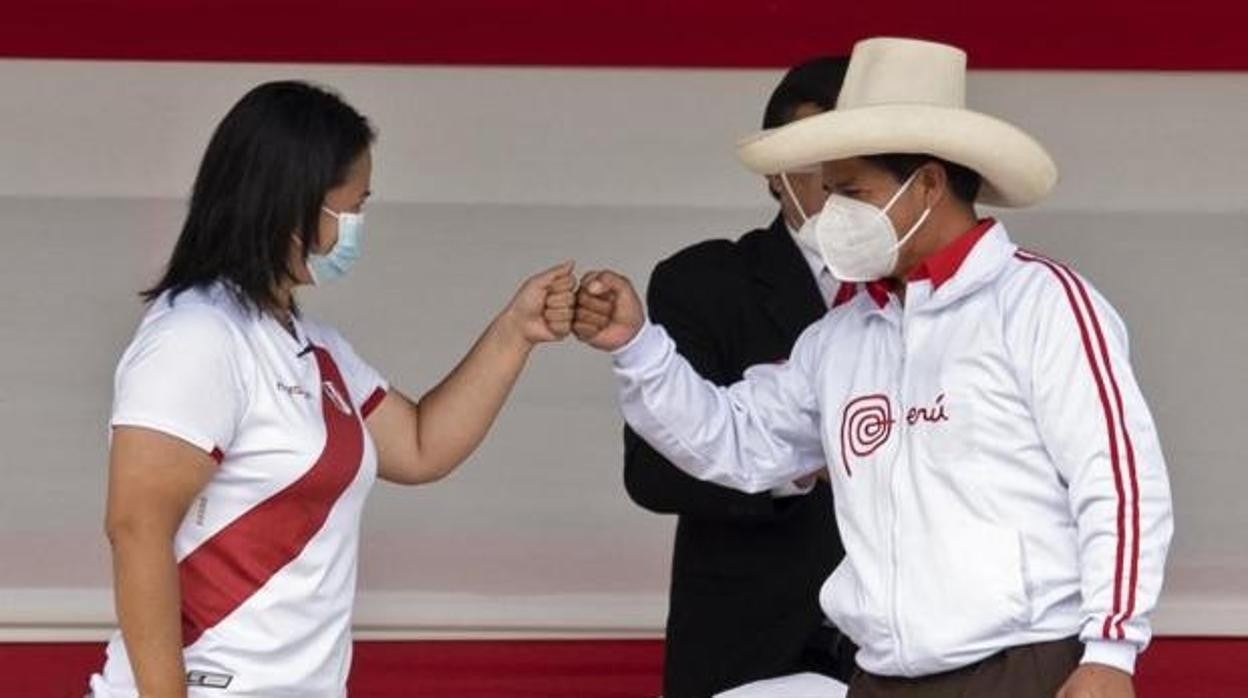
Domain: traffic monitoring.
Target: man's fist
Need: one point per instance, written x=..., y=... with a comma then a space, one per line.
x=608, y=312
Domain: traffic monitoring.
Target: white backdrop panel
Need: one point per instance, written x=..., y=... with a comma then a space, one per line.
x=484, y=176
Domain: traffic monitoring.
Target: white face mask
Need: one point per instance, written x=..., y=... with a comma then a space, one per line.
x=858, y=240
x=805, y=235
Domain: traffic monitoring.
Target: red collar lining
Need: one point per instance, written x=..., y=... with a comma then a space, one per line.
x=943, y=264
x=938, y=267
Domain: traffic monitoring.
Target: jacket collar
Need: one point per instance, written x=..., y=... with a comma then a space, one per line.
x=943, y=264
x=954, y=271
x=965, y=265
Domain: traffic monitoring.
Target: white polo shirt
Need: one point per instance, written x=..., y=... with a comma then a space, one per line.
x=267, y=552
x=997, y=476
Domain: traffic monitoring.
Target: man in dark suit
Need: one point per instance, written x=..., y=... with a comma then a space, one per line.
x=747, y=569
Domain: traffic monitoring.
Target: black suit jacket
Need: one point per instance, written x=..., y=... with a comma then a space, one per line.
x=746, y=569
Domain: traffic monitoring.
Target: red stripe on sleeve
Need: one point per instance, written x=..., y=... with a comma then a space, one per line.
x=1109, y=428
x=1134, y=555
x=372, y=402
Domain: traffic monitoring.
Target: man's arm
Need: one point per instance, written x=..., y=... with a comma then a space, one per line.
x=1098, y=429
x=651, y=480
x=760, y=433
x=654, y=483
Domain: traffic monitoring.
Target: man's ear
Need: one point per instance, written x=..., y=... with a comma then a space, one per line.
x=934, y=182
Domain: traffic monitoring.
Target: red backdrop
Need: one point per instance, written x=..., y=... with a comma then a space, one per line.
x=1172, y=668
x=1057, y=34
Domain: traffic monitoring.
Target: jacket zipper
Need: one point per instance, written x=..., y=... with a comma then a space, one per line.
x=895, y=533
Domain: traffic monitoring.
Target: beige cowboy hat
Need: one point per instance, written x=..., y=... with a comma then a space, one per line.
x=909, y=96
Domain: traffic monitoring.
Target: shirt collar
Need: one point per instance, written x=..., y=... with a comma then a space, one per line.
x=941, y=265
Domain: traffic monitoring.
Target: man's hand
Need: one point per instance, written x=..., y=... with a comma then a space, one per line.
x=608, y=311
x=1097, y=681
x=542, y=309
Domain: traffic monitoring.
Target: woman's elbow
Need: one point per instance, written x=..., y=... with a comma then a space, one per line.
x=125, y=529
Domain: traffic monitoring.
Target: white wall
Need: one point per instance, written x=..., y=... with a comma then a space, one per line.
x=483, y=176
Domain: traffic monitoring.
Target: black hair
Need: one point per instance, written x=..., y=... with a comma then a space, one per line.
x=262, y=180
x=963, y=181
x=817, y=81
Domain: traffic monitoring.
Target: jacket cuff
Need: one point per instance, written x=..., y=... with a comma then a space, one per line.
x=1115, y=653
x=645, y=347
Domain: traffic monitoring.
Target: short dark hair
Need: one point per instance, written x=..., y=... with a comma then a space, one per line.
x=817, y=81
x=263, y=177
x=963, y=181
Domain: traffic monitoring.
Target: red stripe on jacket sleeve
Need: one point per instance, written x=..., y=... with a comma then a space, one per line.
x=1110, y=427
x=1134, y=555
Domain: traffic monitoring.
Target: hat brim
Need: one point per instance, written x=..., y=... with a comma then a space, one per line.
x=1016, y=170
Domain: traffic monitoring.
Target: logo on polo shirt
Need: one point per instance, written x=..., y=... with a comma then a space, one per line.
x=294, y=390
x=207, y=679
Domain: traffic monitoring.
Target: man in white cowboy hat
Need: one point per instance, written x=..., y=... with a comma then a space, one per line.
x=999, y=484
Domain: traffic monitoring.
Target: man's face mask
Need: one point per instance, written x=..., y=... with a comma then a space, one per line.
x=857, y=240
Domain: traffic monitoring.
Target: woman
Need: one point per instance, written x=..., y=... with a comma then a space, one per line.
x=245, y=437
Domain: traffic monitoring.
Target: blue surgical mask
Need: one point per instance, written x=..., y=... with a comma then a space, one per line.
x=335, y=264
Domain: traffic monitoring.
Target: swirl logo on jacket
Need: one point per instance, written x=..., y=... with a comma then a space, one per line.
x=866, y=424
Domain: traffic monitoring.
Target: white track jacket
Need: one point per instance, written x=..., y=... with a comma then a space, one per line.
x=997, y=476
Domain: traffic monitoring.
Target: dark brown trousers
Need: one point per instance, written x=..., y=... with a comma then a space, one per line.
x=1026, y=671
